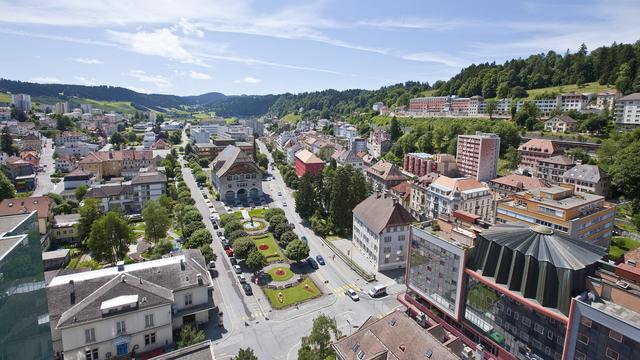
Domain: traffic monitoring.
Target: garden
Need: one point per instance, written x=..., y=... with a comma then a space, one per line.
x=282, y=298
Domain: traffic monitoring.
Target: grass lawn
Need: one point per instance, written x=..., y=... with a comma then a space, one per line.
x=4, y=97
x=296, y=294
x=139, y=226
x=272, y=252
x=333, y=237
x=257, y=213
x=625, y=226
x=282, y=273
x=593, y=87
x=291, y=118
x=620, y=245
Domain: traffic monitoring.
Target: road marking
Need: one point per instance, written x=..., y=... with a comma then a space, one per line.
x=339, y=291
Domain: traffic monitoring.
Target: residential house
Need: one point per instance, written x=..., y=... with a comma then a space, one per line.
x=236, y=176
x=31, y=157
x=64, y=229
x=606, y=99
x=347, y=157
x=64, y=163
x=367, y=159
x=123, y=163
x=113, y=196
x=31, y=142
x=77, y=149
x=402, y=192
x=148, y=139
x=18, y=167
x=418, y=200
x=149, y=185
x=588, y=178
x=446, y=195
x=78, y=177
x=561, y=124
x=117, y=311
x=42, y=204
x=384, y=175
x=553, y=168
x=381, y=228
x=307, y=162
x=290, y=148
x=513, y=183
x=161, y=144
x=535, y=150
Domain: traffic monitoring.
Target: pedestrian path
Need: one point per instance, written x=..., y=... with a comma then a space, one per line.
x=339, y=291
x=245, y=214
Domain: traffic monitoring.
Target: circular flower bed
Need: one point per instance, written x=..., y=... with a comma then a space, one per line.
x=280, y=273
x=263, y=247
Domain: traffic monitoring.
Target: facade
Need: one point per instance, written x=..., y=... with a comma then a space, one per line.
x=478, y=155
x=628, y=111
x=128, y=309
x=514, y=183
x=446, y=195
x=77, y=149
x=66, y=137
x=201, y=135
x=384, y=175
x=348, y=157
x=346, y=131
x=607, y=99
x=357, y=144
x=64, y=229
x=22, y=102
x=123, y=163
x=379, y=142
x=572, y=101
x=306, y=162
x=113, y=197
x=418, y=199
x=588, y=178
x=147, y=186
x=545, y=106
x=31, y=141
x=429, y=104
x=235, y=176
x=24, y=318
x=552, y=169
x=381, y=231
x=582, y=216
x=561, y=124
x=535, y=150
x=77, y=178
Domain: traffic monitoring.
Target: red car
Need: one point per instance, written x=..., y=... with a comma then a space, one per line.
x=229, y=252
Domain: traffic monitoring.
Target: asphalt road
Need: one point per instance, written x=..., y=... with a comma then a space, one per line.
x=45, y=185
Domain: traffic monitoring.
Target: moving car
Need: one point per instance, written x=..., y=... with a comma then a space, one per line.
x=247, y=289
x=237, y=269
x=378, y=290
x=312, y=263
x=320, y=259
x=352, y=294
x=284, y=204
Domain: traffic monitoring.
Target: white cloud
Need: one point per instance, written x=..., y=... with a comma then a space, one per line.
x=251, y=61
x=161, y=42
x=199, y=76
x=45, y=80
x=247, y=80
x=85, y=81
x=88, y=61
x=157, y=80
x=435, y=57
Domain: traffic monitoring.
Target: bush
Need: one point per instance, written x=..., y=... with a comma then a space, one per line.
x=208, y=253
x=287, y=237
x=200, y=237
x=232, y=226
x=236, y=235
x=191, y=227
x=242, y=247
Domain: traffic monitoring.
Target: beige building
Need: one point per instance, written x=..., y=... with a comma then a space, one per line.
x=552, y=169
x=446, y=195
x=235, y=176
x=418, y=195
x=561, y=124
x=123, y=163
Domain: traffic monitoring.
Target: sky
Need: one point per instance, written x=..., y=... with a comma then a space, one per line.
x=190, y=47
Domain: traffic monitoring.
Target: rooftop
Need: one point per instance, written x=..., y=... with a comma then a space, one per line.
x=558, y=159
x=538, y=145
x=584, y=172
x=380, y=211
x=387, y=171
x=520, y=181
x=9, y=222
x=634, y=96
x=308, y=157
x=41, y=204
x=199, y=351
x=539, y=195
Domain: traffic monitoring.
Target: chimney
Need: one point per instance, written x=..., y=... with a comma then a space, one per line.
x=72, y=292
x=120, y=265
x=182, y=266
x=200, y=281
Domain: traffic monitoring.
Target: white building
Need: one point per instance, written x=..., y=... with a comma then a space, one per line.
x=346, y=131
x=381, y=228
x=446, y=195
x=377, y=106
x=628, y=110
x=148, y=185
x=572, y=101
x=21, y=101
x=561, y=124
x=61, y=108
x=149, y=139
x=198, y=135
x=606, y=99
x=112, y=312
x=284, y=137
x=235, y=176
x=545, y=106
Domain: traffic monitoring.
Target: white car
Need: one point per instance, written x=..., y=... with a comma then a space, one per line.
x=284, y=204
x=352, y=294
x=242, y=278
x=237, y=269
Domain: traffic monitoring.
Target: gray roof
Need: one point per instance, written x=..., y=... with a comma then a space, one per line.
x=558, y=159
x=379, y=211
x=149, y=178
x=109, y=190
x=199, y=351
x=8, y=222
x=634, y=96
x=55, y=254
x=588, y=173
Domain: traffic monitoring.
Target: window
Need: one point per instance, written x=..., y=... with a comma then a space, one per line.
x=615, y=336
x=387, y=239
x=148, y=320
x=120, y=327
x=584, y=339
x=150, y=339
x=91, y=354
x=580, y=356
x=538, y=328
x=387, y=250
x=400, y=237
x=188, y=299
x=89, y=335
x=612, y=354
x=585, y=321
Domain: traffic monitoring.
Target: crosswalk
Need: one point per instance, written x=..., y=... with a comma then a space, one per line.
x=255, y=312
x=339, y=291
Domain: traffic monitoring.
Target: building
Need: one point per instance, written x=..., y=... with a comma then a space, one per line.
x=535, y=150
x=545, y=106
x=628, y=111
x=306, y=162
x=127, y=309
x=22, y=102
x=78, y=149
x=64, y=163
x=552, y=169
x=161, y=144
x=418, y=199
x=78, y=177
x=290, y=149
x=113, y=197
x=55, y=259
x=446, y=195
x=514, y=183
x=606, y=99
x=24, y=317
x=64, y=229
x=357, y=144
x=31, y=157
x=284, y=137
x=18, y=167
x=397, y=336
x=588, y=178
x=199, y=351
x=377, y=106
x=561, y=124
x=379, y=142
x=429, y=104
x=31, y=141
x=42, y=204
x=402, y=192
x=418, y=164
x=199, y=135
x=61, y=108
x=581, y=216
x=236, y=177
x=148, y=139
x=122, y=163
x=149, y=185
x=67, y=137
x=347, y=157
x=346, y=131
x=572, y=101
x=384, y=175
x=381, y=231
x=477, y=155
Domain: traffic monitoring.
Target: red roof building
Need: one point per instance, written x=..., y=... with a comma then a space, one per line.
x=306, y=161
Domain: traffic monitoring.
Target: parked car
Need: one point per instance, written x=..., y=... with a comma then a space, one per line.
x=219, y=233
x=212, y=265
x=242, y=278
x=320, y=259
x=312, y=263
x=237, y=269
x=229, y=251
x=233, y=261
x=284, y=204
x=304, y=239
x=225, y=246
x=352, y=294
x=279, y=193
x=247, y=289
x=215, y=226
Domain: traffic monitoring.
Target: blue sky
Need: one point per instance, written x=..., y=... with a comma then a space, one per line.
x=190, y=47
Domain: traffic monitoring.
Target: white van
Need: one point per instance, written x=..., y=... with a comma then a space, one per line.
x=378, y=290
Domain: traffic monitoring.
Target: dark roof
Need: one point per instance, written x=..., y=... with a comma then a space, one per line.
x=387, y=171
x=380, y=211
x=199, y=351
x=233, y=157
x=558, y=159
x=109, y=190
x=566, y=118
x=149, y=177
x=634, y=96
x=588, y=173
x=78, y=173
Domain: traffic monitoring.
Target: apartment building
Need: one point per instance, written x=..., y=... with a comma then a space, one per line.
x=514, y=183
x=66, y=137
x=446, y=195
x=379, y=142
x=561, y=124
x=384, y=175
x=117, y=311
x=418, y=199
x=535, y=150
x=572, y=101
x=148, y=185
x=545, y=106
x=581, y=216
x=477, y=155
x=306, y=162
x=606, y=99
x=421, y=164
x=552, y=169
x=628, y=111
x=475, y=105
x=123, y=163
x=430, y=103
x=22, y=102
x=347, y=157
x=381, y=231
x=148, y=139
x=588, y=179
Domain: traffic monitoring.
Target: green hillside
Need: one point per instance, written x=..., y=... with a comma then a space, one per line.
x=592, y=87
x=5, y=97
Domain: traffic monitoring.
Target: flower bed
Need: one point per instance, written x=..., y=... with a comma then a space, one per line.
x=281, y=273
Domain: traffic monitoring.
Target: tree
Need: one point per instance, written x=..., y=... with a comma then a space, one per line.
x=527, y=116
x=297, y=250
x=243, y=247
x=513, y=158
x=110, y=237
x=179, y=213
x=624, y=81
x=280, y=229
x=271, y=212
x=156, y=220
x=81, y=191
x=491, y=107
x=245, y=354
x=189, y=336
x=207, y=252
x=166, y=202
x=7, y=190
x=117, y=139
x=518, y=92
x=287, y=237
x=89, y=212
x=236, y=235
x=317, y=345
x=625, y=172
x=232, y=226
x=255, y=261
x=305, y=197
x=6, y=142
x=192, y=227
x=395, y=130
x=199, y=238
x=201, y=177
